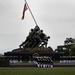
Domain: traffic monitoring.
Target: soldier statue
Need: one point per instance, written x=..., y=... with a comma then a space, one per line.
x=35, y=38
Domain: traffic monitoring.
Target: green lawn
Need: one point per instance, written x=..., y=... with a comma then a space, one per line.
x=37, y=71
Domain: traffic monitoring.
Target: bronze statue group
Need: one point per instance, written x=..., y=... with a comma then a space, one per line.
x=36, y=38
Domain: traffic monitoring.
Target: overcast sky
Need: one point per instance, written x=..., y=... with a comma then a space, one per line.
x=55, y=17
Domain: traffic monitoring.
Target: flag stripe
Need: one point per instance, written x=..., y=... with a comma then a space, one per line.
x=24, y=9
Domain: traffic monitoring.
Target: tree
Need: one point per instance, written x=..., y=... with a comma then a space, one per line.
x=69, y=41
x=68, y=48
x=72, y=52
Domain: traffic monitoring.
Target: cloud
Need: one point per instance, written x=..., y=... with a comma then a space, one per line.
x=58, y=10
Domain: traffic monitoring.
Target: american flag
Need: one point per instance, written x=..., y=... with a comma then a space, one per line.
x=24, y=9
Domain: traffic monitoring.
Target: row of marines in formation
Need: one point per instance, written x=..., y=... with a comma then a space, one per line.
x=42, y=62
x=35, y=38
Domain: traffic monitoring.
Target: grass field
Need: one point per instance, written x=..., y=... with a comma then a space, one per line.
x=37, y=71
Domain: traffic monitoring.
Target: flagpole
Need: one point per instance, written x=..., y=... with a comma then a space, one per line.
x=31, y=13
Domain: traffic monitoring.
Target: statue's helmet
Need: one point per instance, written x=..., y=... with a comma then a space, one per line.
x=37, y=28
x=32, y=30
x=48, y=37
x=42, y=31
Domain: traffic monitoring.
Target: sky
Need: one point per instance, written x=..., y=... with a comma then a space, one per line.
x=55, y=17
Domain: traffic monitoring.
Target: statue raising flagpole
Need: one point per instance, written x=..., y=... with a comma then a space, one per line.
x=26, y=6
x=34, y=47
